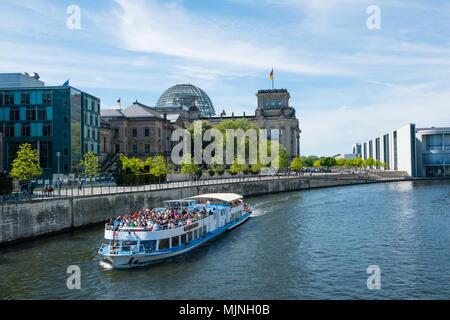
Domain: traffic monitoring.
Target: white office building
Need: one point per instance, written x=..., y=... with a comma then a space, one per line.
x=423, y=152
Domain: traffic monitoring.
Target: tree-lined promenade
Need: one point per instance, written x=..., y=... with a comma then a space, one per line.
x=300, y=163
x=236, y=147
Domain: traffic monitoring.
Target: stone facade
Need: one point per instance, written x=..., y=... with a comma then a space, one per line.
x=137, y=131
x=144, y=131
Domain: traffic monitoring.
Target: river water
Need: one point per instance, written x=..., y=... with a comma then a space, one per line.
x=314, y=244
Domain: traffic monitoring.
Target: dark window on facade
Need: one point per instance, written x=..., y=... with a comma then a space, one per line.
x=147, y=132
x=93, y=106
x=42, y=114
x=24, y=98
x=44, y=152
x=66, y=151
x=88, y=133
x=14, y=115
x=9, y=99
x=65, y=119
x=90, y=120
x=66, y=167
x=1, y=99
x=25, y=131
x=134, y=148
x=9, y=131
x=147, y=148
x=65, y=134
x=134, y=132
x=47, y=98
x=47, y=130
x=65, y=103
x=31, y=115
x=116, y=132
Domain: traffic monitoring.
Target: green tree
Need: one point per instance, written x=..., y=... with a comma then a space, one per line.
x=26, y=165
x=133, y=165
x=90, y=165
x=328, y=162
x=348, y=163
x=238, y=167
x=317, y=163
x=340, y=162
x=369, y=162
x=297, y=164
x=358, y=162
x=216, y=167
x=158, y=167
x=309, y=161
x=256, y=168
x=188, y=165
x=170, y=167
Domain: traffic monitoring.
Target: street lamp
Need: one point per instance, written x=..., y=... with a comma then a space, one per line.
x=58, y=154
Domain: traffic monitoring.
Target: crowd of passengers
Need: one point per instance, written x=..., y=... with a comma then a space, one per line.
x=153, y=220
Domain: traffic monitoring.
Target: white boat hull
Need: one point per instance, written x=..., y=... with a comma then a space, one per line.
x=140, y=259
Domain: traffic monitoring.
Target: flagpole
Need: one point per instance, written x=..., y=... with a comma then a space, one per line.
x=272, y=79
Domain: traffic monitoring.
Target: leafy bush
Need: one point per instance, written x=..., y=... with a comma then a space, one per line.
x=138, y=179
x=6, y=184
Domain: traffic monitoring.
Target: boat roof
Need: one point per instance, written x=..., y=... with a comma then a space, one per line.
x=227, y=197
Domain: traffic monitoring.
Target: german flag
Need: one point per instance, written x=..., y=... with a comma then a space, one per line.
x=271, y=75
x=118, y=102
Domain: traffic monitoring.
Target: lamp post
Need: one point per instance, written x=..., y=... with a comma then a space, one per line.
x=58, y=154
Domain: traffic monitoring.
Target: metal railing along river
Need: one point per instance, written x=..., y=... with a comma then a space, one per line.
x=95, y=190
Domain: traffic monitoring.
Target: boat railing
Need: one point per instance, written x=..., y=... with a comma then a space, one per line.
x=110, y=227
x=125, y=249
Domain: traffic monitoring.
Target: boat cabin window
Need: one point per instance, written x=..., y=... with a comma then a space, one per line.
x=151, y=244
x=204, y=231
x=164, y=244
x=183, y=238
x=175, y=241
x=195, y=233
x=189, y=236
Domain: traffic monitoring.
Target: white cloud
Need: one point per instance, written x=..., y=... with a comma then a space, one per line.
x=171, y=30
x=336, y=130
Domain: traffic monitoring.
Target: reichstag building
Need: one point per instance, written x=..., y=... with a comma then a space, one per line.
x=142, y=131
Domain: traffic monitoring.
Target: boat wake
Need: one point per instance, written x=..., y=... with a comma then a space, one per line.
x=105, y=265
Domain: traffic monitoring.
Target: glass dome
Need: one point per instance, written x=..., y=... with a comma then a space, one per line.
x=186, y=95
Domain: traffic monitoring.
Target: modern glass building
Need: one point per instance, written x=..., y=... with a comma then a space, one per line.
x=433, y=146
x=53, y=119
x=422, y=152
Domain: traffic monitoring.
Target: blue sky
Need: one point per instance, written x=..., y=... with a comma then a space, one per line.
x=347, y=83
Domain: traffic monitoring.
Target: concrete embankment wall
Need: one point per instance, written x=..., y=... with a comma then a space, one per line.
x=28, y=220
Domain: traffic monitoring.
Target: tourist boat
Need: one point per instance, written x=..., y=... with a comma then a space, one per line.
x=133, y=246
